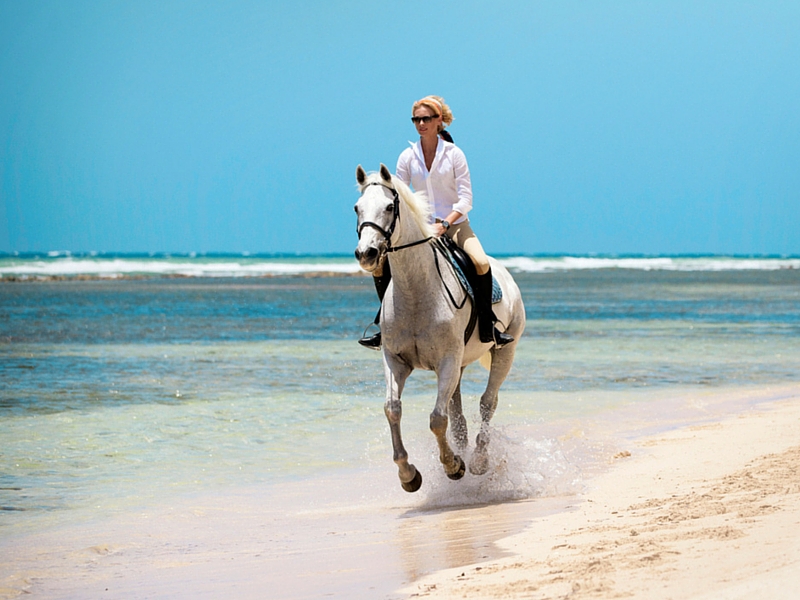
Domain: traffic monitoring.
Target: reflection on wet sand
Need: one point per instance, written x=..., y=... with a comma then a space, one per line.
x=295, y=544
x=447, y=538
x=450, y=538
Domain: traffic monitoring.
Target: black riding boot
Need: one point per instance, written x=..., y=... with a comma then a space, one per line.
x=381, y=284
x=486, y=319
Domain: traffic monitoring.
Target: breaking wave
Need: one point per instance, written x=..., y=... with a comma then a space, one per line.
x=62, y=264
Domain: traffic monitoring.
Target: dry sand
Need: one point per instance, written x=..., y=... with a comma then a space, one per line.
x=709, y=511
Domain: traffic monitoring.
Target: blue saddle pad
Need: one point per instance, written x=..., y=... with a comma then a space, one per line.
x=456, y=256
x=497, y=291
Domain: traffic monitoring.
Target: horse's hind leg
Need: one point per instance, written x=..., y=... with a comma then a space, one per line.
x=501, y=365
x=458, y=424
x=396, y=374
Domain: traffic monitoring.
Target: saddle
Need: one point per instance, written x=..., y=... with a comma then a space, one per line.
x=465, y=271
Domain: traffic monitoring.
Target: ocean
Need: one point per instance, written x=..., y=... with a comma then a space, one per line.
x=131, y=383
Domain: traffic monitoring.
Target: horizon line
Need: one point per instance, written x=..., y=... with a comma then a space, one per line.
x=54, y=254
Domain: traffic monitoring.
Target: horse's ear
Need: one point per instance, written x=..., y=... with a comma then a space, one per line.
x=361, y=175
x=385, y=174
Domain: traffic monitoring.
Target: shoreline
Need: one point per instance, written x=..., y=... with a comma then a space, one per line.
x=702, y=511
x=713, y=478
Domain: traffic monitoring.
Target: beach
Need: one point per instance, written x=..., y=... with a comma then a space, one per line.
x=199, y=435
x=191, y=404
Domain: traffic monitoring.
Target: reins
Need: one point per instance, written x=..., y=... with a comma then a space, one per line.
x=440, y=246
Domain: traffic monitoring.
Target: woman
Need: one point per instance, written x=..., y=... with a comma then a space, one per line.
x=438, y=168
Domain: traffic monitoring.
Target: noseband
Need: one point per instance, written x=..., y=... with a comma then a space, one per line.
x=387, y=233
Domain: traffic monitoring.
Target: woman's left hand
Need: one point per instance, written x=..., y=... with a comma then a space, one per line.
x=438, y=229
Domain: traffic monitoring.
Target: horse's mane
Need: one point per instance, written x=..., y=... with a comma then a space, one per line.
x=417, y=205
x=420, y=209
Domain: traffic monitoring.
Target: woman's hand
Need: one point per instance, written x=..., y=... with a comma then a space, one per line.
x=439, y=229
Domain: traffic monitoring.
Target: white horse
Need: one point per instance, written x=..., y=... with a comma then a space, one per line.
x=424, y=317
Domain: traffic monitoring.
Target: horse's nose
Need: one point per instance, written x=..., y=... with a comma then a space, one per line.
x=368, y=255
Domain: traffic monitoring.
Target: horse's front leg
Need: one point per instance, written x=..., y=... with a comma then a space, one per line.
x=397, y=372
x=449, y=375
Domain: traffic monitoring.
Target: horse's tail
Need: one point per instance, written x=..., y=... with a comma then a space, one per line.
x=486, y=360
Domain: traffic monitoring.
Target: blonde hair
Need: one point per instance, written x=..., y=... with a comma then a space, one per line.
x=438, y=106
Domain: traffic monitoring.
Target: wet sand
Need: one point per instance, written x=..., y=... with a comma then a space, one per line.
x=706, y=510
x=273, y=542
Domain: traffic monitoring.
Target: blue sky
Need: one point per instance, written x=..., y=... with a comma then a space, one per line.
x=608, y=127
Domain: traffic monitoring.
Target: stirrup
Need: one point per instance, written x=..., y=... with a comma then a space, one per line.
x=501, y=338
x=373, y=342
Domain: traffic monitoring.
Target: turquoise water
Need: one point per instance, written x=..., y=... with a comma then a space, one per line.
x=121, y=392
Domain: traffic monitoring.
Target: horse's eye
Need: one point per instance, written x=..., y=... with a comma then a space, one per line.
x=355, y=208
x=389, y=207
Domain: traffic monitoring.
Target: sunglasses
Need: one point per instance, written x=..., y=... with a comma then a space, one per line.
x=418, y=120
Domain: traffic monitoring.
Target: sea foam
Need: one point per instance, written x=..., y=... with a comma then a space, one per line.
x=183, y=267
x=64, y=264
x=528, y=264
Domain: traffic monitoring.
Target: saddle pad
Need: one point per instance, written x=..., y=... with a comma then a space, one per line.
x=455, y=255
x=497, y=291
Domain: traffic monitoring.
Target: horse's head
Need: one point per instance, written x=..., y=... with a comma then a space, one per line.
x=377, y=211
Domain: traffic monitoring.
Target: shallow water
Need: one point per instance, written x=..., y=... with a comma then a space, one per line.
x=119, y=389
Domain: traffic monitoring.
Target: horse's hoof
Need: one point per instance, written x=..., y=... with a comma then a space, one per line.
x=414, y=484
x=461, y=469
x=479, y=464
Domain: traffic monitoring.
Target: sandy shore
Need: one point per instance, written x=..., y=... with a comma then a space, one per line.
x=704, y=511
x=710, y=511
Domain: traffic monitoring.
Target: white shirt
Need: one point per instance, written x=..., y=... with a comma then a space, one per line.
x=447, y=186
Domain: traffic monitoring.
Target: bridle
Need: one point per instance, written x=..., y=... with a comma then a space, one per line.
x=387, y=233
x=438, y=245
